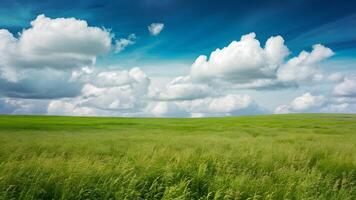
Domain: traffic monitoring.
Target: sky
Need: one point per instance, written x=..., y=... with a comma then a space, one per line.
x=177, y=58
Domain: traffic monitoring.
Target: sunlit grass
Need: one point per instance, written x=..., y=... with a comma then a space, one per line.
x=261, y=157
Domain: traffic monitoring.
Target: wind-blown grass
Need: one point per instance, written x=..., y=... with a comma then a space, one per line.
x=261, y=157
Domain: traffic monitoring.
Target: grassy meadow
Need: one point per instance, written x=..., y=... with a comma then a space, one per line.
x=302, y=156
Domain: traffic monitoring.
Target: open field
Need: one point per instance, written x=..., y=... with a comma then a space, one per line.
x=261, y=157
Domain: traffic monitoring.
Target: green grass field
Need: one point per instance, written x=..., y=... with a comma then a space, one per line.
x=261, y=157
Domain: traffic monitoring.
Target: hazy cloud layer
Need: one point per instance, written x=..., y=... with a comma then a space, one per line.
x=231, y=104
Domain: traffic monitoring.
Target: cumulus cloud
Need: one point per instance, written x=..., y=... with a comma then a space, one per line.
x=128, y=95
x=59, y=43
x=344, y=96
x=39, y=62
x=305, y=65
x=342, y=99
x=346, y=88
x=241, y=61
x=181, y=88
x=246, y=64
x=155, y=28
x=106, y=92
x=305, y=103
x=122, y=43
x=166, y=109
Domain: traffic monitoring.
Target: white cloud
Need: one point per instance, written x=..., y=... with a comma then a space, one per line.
x=341, y=100
x=59, y=64
x=59, y=43
x=231, y=103
x=275, y=51
x=109, y=92
x=166, y=109
x=181, y=88
x=305, y=65
x=155, y=28
x=245, y=64
x=38, y=62
x=122, y=43
x=347, y=88
x=305, y=103
x=282, y=109
x=241, y=61
x=242, y=64
x=344, y=96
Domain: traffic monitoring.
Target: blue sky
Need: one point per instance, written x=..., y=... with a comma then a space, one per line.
x=190, y=29
x=198, y=27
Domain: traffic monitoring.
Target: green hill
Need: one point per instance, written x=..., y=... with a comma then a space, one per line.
x=311, y=156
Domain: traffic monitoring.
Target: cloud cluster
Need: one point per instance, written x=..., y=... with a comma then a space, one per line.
x=245, y=64
x=341, y=100
x=106, y=92
x=129, y=93
x=49, y=68
x=155, y=28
